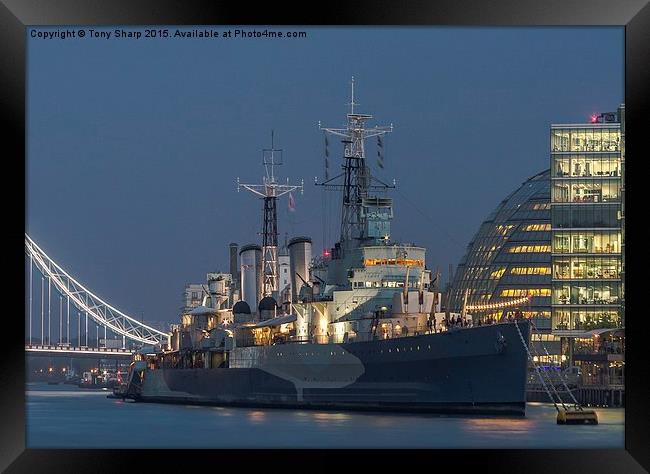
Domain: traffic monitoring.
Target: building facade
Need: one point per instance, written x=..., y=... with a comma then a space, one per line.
x=621, y=112
x=510, y=256
x=586, y=223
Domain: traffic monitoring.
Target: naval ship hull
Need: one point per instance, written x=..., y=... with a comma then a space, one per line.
x=471, y=370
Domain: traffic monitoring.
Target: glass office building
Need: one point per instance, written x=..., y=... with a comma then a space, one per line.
x=509, y=258
x=559, y=239
x=586, y=223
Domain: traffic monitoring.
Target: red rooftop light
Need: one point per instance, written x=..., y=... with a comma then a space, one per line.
x=594, y=118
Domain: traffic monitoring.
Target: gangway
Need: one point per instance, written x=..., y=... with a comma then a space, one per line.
x=565, y=415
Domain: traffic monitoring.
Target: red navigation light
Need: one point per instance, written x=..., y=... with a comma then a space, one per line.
x=594, y=118
x=326, y=253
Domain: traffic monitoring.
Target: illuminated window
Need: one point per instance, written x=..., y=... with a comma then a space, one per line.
x=531, y=271
x=529, y=249
x=496, y=274
x=537, y=227
x=526, y=292
x=541, y=206
x=504, y=229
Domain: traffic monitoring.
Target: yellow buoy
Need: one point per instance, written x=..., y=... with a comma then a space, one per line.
x=576, y=417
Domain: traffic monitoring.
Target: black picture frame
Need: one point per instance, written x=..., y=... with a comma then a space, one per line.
x=633, y=15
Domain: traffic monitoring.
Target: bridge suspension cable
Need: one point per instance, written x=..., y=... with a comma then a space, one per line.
x=92, y=305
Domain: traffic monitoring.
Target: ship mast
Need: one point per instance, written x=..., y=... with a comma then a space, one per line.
x=357, y=179
x=270, y=190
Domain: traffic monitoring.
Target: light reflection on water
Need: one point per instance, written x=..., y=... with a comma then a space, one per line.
x=329, y=417
x=66, y=416
x=509, y=424
x=256, y=416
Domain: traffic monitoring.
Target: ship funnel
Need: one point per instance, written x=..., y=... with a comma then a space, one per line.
x=299, y=258
x=250, y=257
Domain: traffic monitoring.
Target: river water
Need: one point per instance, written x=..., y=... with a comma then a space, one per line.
x=64, y=416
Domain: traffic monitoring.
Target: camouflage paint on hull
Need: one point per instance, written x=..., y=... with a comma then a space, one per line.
x=474, y=370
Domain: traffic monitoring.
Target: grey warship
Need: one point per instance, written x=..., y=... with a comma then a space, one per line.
x=359, y=328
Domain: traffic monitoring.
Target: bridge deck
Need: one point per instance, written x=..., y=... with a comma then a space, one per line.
x=68, y=350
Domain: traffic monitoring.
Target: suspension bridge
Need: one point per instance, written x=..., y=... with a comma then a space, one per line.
x=65, y=327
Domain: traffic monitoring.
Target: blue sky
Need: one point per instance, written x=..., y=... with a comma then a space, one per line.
x=134, y=146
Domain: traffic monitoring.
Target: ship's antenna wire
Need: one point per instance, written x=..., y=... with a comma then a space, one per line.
x=324, y=217
x=430, y=219
x=336, y=210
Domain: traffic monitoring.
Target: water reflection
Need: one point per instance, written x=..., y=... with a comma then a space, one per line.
x=499, y=426
x=67, y=417
x=67, y=394
x=330, y=417
x=256, y=416
x=221, y=411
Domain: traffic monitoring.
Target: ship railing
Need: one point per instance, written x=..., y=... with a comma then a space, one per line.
x=421, y=330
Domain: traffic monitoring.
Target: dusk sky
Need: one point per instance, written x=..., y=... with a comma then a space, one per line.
x=134, y=146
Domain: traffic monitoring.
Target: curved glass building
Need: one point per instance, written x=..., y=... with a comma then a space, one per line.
x=509, y=258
